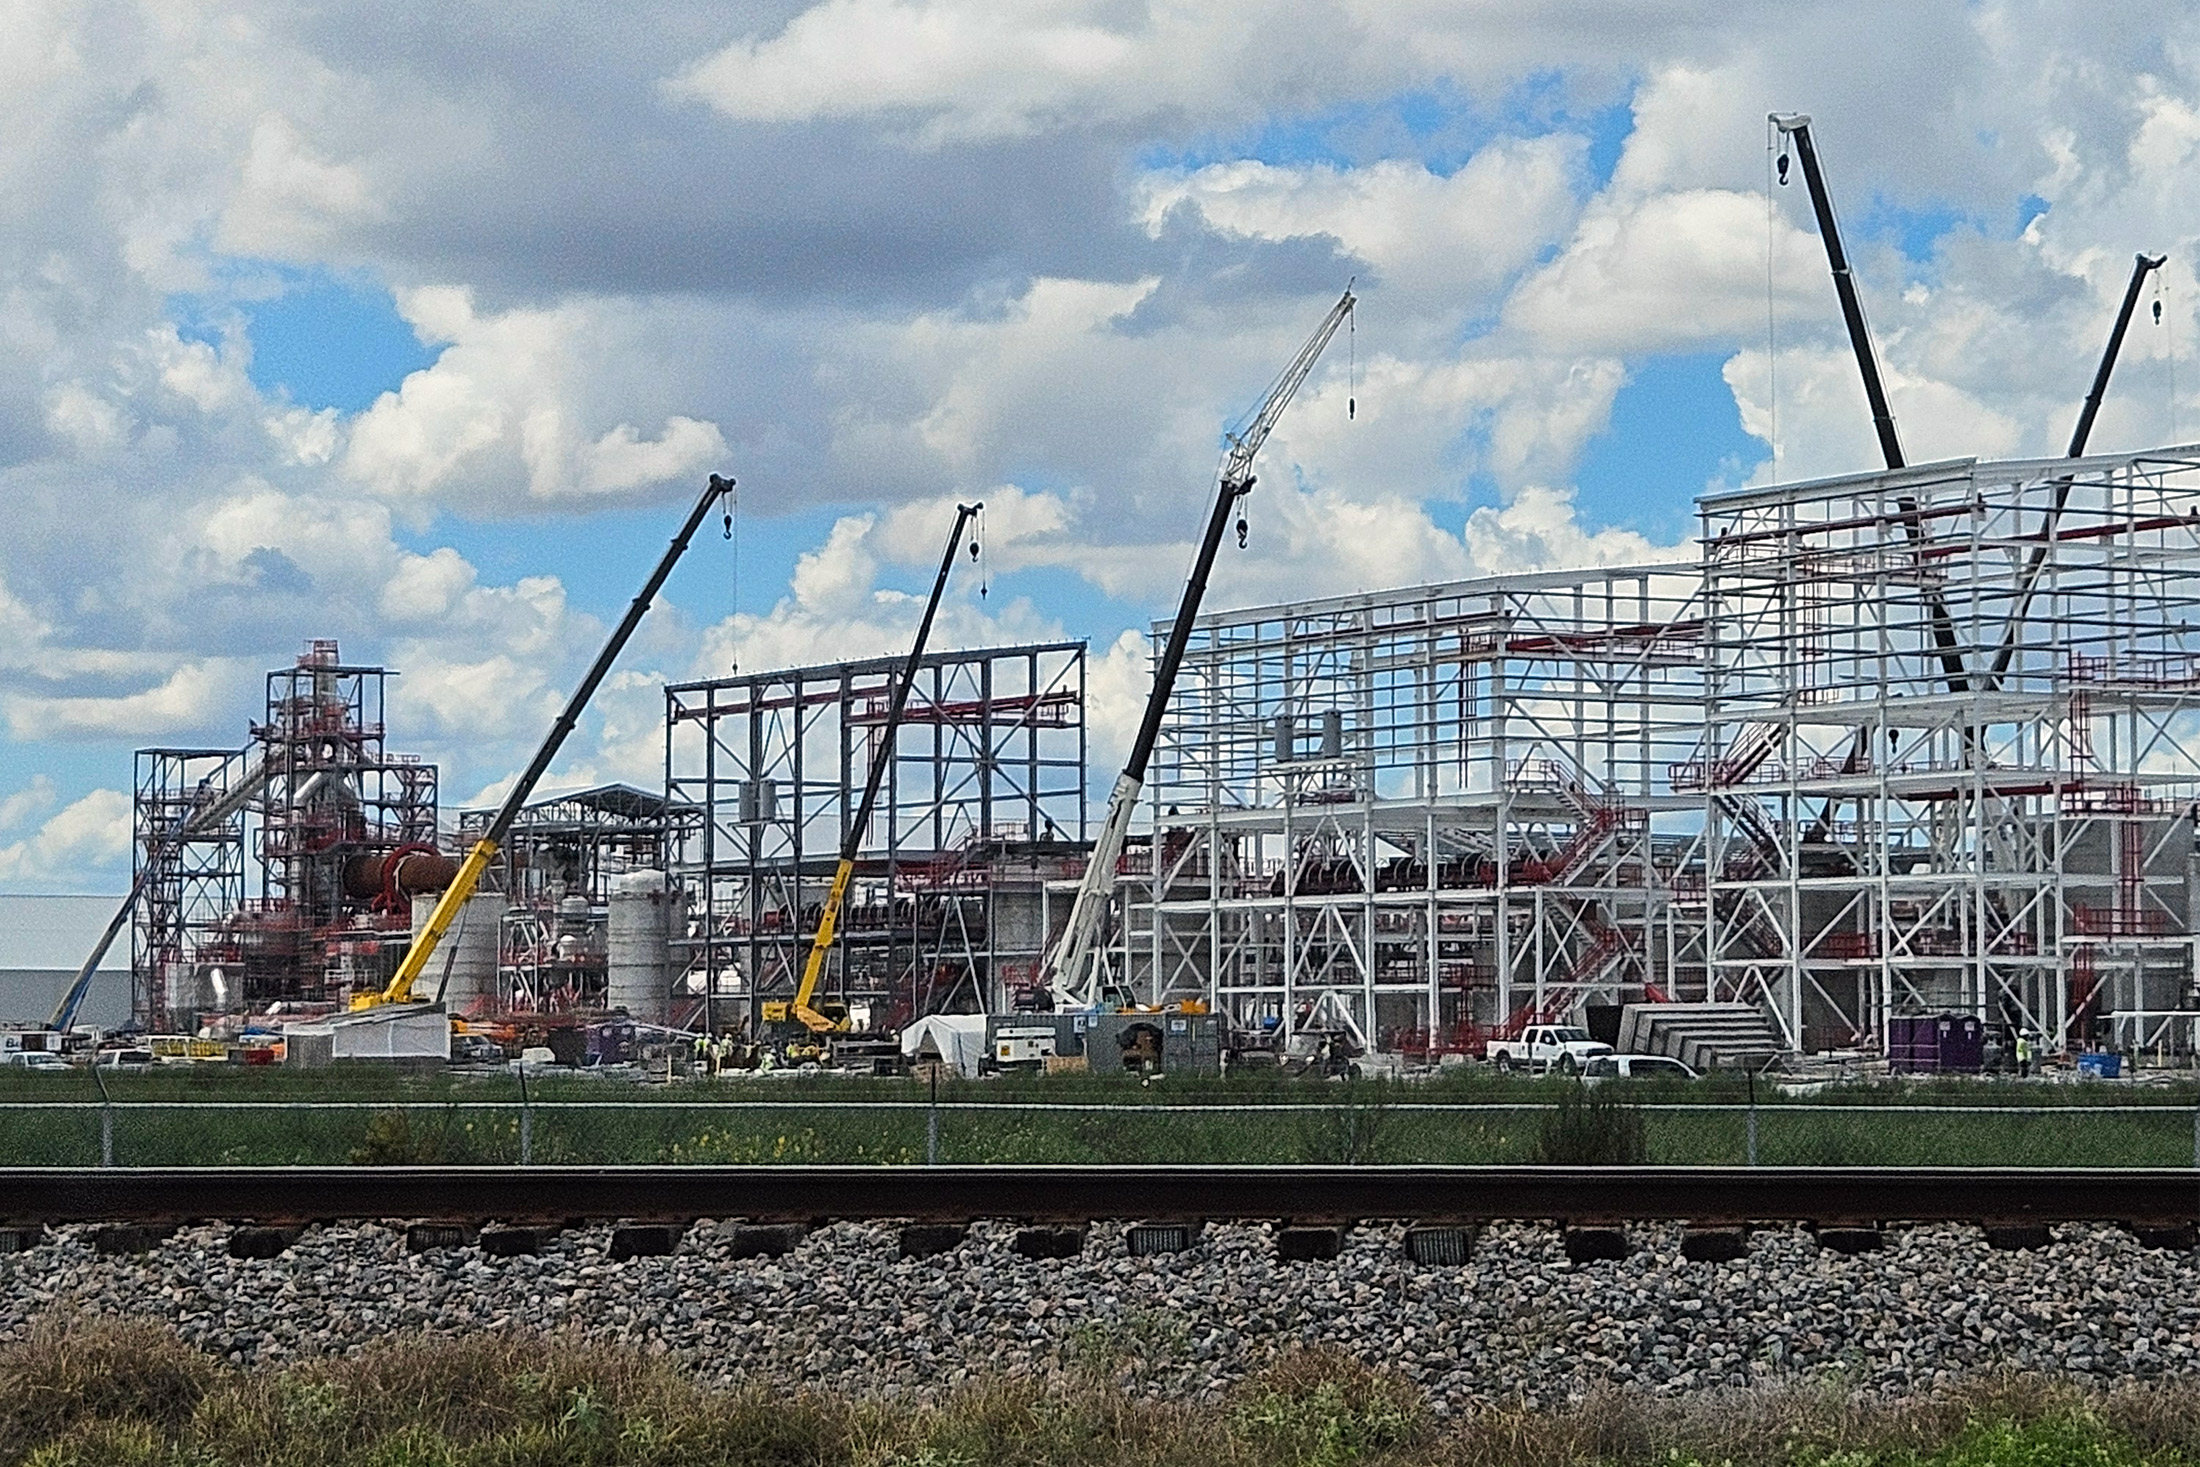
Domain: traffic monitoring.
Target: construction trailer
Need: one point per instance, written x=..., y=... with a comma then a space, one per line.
x=290, y=897
x=982, y=807
x=1950, y=749
x=1429, y=813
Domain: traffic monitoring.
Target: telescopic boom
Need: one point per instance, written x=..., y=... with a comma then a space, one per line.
x=1072, y=972
x=484, y=851
x=851, y=841
x=206, y=818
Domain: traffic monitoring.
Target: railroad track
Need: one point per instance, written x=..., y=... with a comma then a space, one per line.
x=1826, y=1197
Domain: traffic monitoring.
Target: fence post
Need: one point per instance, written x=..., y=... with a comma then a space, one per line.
x=2196, y=1138
x=1752, y=1117
x=106, y=1116
x=932, y=1123
x=526, y=1121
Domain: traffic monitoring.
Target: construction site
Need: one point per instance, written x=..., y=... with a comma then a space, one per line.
x=1905, y=743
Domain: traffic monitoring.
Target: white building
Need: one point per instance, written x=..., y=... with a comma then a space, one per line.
x=43, y=941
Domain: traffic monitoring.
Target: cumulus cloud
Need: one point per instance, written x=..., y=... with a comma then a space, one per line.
x=958, y=70
x=83, y=840
x=1433, y=241
x=505, y=410
x=876, y=256
x=187, y=700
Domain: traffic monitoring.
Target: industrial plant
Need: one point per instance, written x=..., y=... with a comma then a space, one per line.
x=1907, y=743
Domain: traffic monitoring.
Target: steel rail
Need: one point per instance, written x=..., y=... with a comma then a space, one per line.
x=1701, y=1195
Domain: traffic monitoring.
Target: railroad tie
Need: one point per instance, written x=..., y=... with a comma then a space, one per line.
x=1049, y=1242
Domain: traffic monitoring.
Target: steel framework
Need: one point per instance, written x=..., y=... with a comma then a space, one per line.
x=327, y=797
x=1950, y=756
x=983, y=805
x=1427, y=813
x=195, y=881
x=556, y=867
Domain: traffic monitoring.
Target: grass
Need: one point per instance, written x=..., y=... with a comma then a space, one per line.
x=1363, y=1122
x=74, y=1393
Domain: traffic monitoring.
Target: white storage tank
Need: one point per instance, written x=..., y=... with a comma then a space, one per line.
x=471, y=948
x=645, y=913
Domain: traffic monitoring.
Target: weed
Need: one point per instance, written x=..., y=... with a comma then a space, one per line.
x=1592, y=1127
x=392, y=1139
x=1355, y=1133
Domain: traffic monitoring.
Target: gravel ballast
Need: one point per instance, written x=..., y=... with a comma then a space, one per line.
x=840, y=1311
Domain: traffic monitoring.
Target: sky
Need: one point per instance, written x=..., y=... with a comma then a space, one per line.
x=419, y=325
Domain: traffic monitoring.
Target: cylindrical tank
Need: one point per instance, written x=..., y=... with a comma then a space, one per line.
x=470, y=948
x=644, y=916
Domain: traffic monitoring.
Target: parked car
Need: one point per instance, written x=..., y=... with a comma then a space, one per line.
x=475, y=1049
x=1634, y=1067
x=124, y=1059
x=44, y=1064
x=1562, y=1047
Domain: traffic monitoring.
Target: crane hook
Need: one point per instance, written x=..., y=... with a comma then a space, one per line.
x=1783, y=168
x=1243, y=530
x=2157, y=311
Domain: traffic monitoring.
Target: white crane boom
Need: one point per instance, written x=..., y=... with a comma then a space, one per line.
x=1075, y=964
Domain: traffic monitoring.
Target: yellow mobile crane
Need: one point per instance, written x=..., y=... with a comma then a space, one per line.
x=802, y=1009
x=453, y=900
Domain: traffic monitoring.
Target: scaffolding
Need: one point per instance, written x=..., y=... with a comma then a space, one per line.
x=329, y=800
x=195, y=880
x=1949, y=758
x=983, y=804
x=1438, y=812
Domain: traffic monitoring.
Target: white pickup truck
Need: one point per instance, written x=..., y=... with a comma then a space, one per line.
x=1566, y=1048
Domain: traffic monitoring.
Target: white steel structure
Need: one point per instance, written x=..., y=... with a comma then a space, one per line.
x=1428, y=811
x=1950, y=749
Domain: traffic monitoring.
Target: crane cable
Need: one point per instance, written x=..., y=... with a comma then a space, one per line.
x=2167, y=321
x=1775, y=140
x=733, y=590
x=977, y=553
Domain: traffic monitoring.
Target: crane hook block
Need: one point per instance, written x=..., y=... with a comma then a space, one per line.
x=1783, y=168
x=1243, y=530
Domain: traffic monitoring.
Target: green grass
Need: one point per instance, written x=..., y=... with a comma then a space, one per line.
x=80, y=1393
x=1297, y=1122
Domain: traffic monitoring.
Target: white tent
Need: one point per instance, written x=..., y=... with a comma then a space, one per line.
x=953, y=1039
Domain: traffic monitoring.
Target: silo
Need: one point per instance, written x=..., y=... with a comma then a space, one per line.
x=471, y=949
x=644, y=916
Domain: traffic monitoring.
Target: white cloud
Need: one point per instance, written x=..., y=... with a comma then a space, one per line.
x=1672, y=272
x=187, y=699
x=35, y=798
x=506, y=414
x=967, y=70
x=1118, y=682
x=1435, y=240
x=85, y=841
